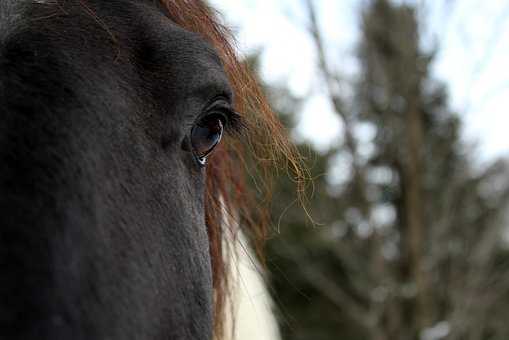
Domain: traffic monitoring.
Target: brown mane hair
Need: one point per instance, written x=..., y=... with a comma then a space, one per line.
x=264, y=141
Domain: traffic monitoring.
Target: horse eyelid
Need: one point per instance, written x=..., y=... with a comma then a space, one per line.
x=235, y=124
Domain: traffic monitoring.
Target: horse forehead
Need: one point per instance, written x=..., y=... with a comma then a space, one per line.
x=141, y=25
x=188, y=48
x=181, y=55
x=138, y=28
x=147, y=15
x=174, y=42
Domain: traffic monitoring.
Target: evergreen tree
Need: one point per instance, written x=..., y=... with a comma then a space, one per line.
x=408, y=246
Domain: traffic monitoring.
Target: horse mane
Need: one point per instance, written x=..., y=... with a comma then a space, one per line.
x=264, y=140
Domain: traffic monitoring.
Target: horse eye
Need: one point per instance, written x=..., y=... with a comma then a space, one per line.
x=206, y=135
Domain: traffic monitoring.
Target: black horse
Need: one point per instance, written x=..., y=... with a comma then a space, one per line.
x=109, y=113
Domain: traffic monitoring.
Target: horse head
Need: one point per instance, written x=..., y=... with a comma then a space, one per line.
x=121, y=151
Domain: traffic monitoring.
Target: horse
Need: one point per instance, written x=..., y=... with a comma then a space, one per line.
x=126, y=128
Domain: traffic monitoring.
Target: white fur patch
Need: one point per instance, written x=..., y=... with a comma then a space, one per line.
x=252, y=303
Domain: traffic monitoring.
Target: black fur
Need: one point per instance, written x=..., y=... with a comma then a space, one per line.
x=102, y=232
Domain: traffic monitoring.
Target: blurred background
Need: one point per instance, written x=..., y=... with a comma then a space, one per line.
x=400, y=111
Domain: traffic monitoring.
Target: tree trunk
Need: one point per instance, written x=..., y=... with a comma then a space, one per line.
x=415, y=233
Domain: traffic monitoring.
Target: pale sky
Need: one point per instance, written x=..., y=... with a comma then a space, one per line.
x=473, y=37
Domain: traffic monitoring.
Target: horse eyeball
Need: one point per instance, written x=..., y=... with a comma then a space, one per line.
x=205, y=136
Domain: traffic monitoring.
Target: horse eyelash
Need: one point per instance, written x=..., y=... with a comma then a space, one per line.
x=235, y=124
